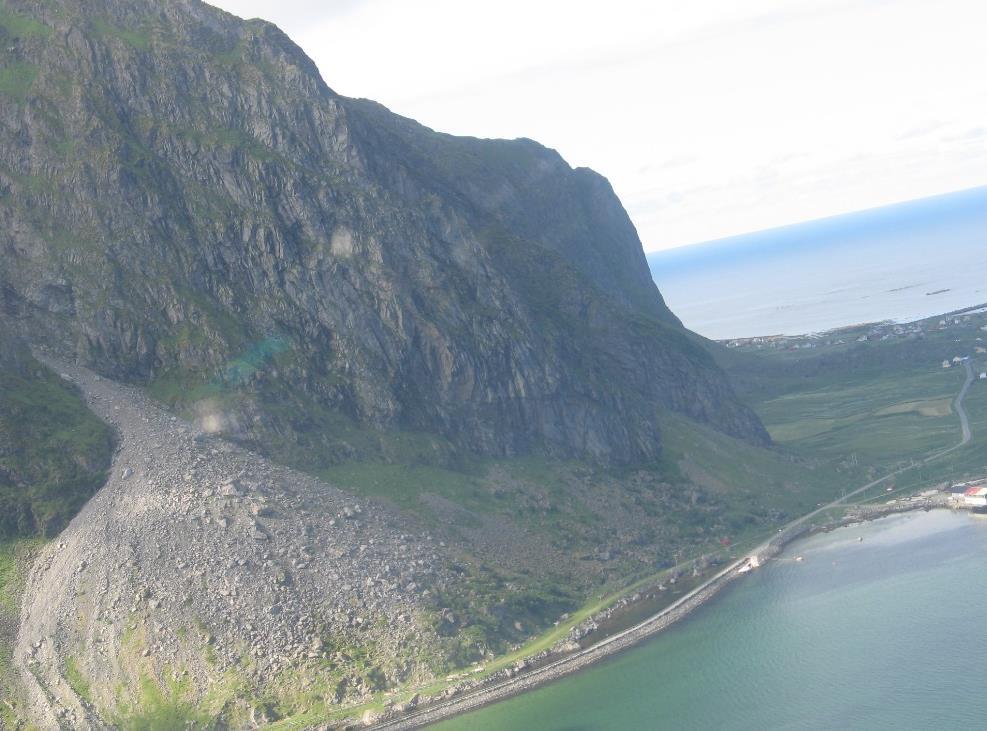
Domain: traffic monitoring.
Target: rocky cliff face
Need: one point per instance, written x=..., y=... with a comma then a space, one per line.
x=184, y=201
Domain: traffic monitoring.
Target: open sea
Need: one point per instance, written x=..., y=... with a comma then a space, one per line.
x=887, y=633
x=902, y=262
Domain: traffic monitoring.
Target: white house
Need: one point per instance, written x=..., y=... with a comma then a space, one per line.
x=956, y=492
x=976, y=497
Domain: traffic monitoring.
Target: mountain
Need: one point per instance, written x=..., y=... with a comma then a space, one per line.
x=479, y=411
x=190, y=206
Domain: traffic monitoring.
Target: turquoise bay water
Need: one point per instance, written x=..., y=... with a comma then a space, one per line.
x=887, y=633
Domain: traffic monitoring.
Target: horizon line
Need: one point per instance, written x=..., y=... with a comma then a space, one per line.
x=820, y=219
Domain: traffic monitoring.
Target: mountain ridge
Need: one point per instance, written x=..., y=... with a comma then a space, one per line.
x=458, y=337
x=480, y=291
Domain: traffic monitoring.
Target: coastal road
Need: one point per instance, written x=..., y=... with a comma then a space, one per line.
x=966, y=436
x=484, y=695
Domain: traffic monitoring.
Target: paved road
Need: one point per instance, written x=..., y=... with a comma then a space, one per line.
x=471, y=700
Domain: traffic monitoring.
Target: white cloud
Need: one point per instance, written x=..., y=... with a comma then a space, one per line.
x=710, y=117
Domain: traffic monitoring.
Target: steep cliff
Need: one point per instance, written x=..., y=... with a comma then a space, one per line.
x=186, y=204
x=188, y=208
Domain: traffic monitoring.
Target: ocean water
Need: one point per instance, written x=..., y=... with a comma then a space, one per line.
x=881, y=634
x=901, y=262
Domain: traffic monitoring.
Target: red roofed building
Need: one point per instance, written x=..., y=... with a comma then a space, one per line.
x=976, y=496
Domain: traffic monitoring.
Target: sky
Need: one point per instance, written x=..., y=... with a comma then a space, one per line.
x=711, y=118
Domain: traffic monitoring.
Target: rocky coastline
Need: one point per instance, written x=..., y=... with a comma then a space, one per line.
x=540, y=669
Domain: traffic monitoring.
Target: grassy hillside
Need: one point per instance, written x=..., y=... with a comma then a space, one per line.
x=874, y=418
x=15, y=560
x=54, y=454
x=874, y=397
x=551, y=535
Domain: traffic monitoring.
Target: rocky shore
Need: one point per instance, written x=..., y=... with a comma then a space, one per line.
x=516, y=680
x=540, y=670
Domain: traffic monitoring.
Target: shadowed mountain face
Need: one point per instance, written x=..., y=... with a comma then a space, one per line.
x=185, y=202
x=53, y=453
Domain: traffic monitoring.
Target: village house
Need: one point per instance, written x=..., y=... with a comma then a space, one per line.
x=956, y=491
x=975, y=497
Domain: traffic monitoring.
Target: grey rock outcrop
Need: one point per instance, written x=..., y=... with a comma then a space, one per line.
x=185, y=201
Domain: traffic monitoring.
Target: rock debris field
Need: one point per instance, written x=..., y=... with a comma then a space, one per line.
x=200, y=561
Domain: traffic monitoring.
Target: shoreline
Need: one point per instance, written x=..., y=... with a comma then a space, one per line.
x=506, y=683
x=494, y=691
x=487, y=694
x=845, y=329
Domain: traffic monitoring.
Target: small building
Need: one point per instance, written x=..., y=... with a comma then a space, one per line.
x=957, y=359
x=956, y=492
x=983, y=376
x=947, y=364
x=975, y=497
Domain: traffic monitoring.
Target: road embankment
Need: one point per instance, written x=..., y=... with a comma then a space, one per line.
x=485, y=694
x=494, y=690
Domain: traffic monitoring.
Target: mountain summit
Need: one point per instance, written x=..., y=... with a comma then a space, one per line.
x=188, y=204
x=479, y=411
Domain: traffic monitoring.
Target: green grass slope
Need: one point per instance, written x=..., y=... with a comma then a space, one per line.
x=874, y=397
x=54, y=454
x=53, y=451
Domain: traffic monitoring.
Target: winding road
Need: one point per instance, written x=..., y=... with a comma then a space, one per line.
x=964, y=420
x=484, y=695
